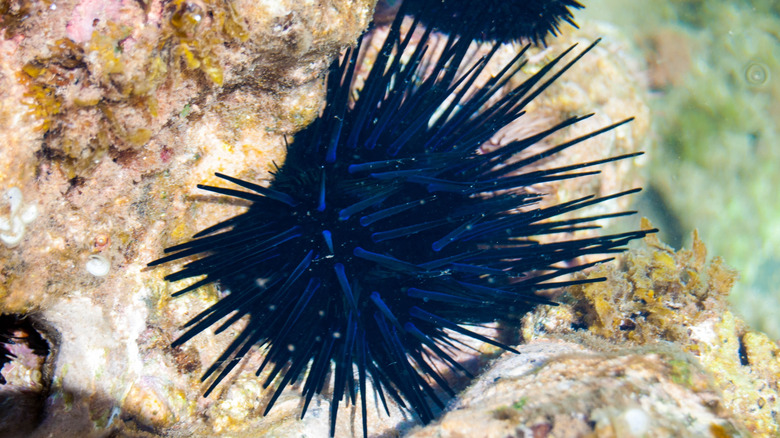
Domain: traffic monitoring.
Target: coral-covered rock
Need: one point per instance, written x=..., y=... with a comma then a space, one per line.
x=561, y=389
x=110, y=113
x=656, y=297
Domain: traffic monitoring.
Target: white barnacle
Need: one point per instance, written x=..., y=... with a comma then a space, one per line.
x=98, y=265
x=28, y=213
x=14, y=198
x=13, y=231
x=12, y=226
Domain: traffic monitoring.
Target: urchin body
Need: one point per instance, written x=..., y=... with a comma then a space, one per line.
x=501, y=20
x=387, y=230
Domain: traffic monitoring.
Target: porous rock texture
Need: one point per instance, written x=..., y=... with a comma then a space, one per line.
x=555, y=388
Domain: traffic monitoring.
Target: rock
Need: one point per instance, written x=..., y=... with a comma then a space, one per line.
x=555, y=388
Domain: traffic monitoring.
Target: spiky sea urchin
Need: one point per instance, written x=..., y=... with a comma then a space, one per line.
x=501, y=20
x=387, y=231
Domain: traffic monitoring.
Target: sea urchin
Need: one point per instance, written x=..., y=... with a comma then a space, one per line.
x=502, y=20
x=388, y=230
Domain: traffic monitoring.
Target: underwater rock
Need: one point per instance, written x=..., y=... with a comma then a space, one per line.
x=108, y=78
x=652, y=352
x=108, y=110
x=656, y=299
x=109, y=144
x=98, y=99
x=557, y=388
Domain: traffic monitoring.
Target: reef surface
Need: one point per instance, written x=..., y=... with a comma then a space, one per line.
x=113, y=111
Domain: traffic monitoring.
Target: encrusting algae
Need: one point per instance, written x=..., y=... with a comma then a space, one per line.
x=105, y=78
x=120, y=69
x=656, y=296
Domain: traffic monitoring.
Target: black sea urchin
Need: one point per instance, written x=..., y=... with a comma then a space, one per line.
x=501, y=20
x=388, y=230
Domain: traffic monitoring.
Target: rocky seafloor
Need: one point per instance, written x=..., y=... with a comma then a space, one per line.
x=113, y=111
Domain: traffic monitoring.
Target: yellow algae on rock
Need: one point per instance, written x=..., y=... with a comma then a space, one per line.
x=656, y=295
x=240, y=404
x=108, y=77
x=763, y=354
x=744, y=365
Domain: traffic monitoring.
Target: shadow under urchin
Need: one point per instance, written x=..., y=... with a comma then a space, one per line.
x=388, y=230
